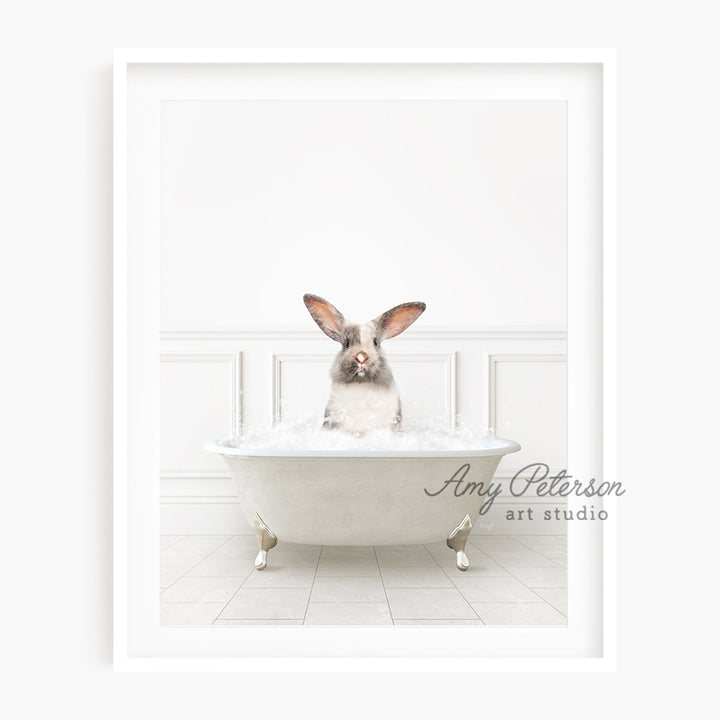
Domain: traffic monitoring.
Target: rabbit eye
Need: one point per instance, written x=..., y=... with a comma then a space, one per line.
x=375, y=342
x=347, y=343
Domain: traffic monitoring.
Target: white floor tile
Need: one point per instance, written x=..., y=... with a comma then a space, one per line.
x=167, y=540
x=550, y=546
x=519, y=613
x=276, y=576
x=299, y=546
x=479, y=567
x=414, y=576
x=189, y=613
x=557, y=554
x=347, y=589
x=445, y=621
x=178, y=558
x=441, y=552
x=489, y=542
x=224, y=567
x=541, y=577
x=518, y=558
x=404, y=555
x=558, y=598
x=345, y=613
x=201, y=589
x=286, y=556
x=494, y=589
x=428, y=604
x=248, y=539
x=168, y=575
x=252, y=621
x=545, y=540
x=266, y=604
x=334, y=567
x=293, y=554
x=357, y=552
x=201, y=543
x=234, y=549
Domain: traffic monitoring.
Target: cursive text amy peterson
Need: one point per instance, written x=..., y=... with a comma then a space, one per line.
x=532, y=479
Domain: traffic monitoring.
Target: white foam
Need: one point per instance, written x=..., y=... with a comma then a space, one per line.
x=307, y=434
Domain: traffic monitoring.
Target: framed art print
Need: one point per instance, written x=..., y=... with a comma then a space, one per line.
x=364, y=360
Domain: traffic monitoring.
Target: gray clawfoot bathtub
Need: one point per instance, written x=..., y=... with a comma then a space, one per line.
x=333, y=497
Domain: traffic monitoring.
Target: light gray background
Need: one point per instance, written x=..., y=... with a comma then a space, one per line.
x=56, y=365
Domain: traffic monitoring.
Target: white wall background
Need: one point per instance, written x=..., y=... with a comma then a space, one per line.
x=461, y=204
x=56, y=301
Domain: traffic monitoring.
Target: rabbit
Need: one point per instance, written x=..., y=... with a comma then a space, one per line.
x=363, y=395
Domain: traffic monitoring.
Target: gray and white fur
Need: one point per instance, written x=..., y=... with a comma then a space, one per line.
x=363, y=396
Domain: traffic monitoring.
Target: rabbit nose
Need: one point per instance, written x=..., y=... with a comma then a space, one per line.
x=361, y=358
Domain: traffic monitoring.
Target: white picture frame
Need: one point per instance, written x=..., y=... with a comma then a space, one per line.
x=589, y=641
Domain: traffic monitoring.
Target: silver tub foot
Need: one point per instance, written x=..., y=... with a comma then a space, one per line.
x=456, y=541
x=266, y=540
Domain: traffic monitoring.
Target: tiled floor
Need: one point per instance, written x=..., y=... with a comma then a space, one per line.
x=512, y=580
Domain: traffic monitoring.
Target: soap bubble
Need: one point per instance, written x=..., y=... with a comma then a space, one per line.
x=306, y=433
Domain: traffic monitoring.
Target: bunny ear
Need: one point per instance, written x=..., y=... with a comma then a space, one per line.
x=399, y=318
x=328, y=317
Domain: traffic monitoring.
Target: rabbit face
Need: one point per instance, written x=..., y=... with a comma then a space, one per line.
x=361, y=358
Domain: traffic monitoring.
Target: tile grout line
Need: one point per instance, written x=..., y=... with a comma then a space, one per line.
x=194, y=602
x=515, y=538
x=160, y=600
x=382, y=581
x=312, y=586
x=506, y=602
x=464, y=598
x=552, y=560
x=192, y=567
x=167, y=547
x=532, y=590
x=520, y=580
x=455, y=587
x=564, y=614
x=222, y=610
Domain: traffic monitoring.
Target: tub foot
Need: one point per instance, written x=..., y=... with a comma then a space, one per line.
x=266, y=540
x=456, y=541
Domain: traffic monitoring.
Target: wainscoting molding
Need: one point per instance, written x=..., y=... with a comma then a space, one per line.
x=494, y=363
x=233, y=362
x=277, y=374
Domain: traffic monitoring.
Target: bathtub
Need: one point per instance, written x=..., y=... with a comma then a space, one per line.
x=362, y=497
